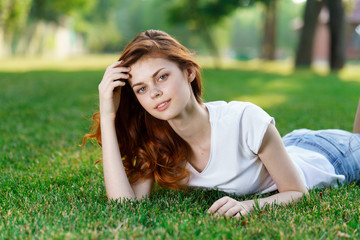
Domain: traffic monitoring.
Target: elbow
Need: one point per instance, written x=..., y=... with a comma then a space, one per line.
x=305, y=192
x=301, y=193
x=296, y=194
x=297, y=190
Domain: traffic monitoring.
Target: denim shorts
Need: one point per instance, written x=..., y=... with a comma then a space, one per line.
x=341, y=148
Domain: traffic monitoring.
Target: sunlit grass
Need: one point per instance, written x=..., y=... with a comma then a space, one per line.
x=350, y=72
x=88, y=62
x=283, y=67
x=264, y=100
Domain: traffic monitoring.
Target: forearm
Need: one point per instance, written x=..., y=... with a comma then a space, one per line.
x=356, y=128
x=283, y=198
x=116, y=182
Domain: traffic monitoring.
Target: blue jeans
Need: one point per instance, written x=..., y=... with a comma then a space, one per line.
x=341, y=148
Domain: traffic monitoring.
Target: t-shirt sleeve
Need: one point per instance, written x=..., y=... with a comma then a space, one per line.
x=253, y=124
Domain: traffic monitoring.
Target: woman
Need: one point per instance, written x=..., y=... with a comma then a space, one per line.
x=156, y=128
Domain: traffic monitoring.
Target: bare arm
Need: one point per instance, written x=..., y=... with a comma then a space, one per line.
x=280, y=167
x=356, y=128
x=116, y=182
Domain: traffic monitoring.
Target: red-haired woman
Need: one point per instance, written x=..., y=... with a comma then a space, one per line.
x=154, y=127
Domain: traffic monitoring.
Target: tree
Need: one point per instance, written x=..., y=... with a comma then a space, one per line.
x=16, y=14
x=13, y=15
x=54, y=10
x=337, y=37
x=304, y=52
x=268, y=48
x=100, y=26
x=336, y=26
x=201, y=15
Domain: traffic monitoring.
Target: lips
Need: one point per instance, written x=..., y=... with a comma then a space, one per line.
x=162, y=106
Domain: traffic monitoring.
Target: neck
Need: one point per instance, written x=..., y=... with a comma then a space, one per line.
x=193, y=124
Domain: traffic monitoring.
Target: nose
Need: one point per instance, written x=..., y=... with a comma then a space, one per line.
x=155, y=92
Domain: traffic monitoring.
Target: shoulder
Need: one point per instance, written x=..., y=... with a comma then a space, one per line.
x=216, y=104
x=233, y=108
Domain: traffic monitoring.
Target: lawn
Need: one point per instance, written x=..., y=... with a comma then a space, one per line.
x=50, y=188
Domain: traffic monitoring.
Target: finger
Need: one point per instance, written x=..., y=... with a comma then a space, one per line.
x=122, y=68
x=109, y=92
x=226, y=207
x=111, y=82
x=125, y=70
x=114, y=77
x=244, y=214
x=118, y=84
x=117, y=67
x=233, y=211
x=119, y=76
x=238, y=216
x=217, y=204
x=115, y=64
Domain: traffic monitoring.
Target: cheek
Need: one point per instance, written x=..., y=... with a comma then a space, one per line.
x=143, y=101
x=184, y=87
x=181, y=85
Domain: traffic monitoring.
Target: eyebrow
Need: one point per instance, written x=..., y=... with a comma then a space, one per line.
x=155, y=73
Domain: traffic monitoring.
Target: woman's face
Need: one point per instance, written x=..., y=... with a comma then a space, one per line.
x=161, y=87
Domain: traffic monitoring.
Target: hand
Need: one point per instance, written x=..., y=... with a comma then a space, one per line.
x=110, y=88
x=229, y=207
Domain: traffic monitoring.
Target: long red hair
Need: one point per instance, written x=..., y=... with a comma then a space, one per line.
x=149, y=146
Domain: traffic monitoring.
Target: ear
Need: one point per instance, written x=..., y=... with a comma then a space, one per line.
x=191, y=74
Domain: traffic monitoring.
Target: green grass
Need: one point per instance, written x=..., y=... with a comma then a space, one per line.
x=50, y=189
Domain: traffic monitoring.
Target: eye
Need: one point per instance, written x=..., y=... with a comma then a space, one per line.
x=141, y=90
x=163, y=77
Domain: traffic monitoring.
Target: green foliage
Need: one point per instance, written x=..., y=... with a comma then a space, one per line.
x=245, y=33
x=232, y=28
x=201, y=12
x=49, y=188
x=266, y=2
x=114, y=23
x=100, y=26
x=53, y=10
x=201, y=16
x=13, y=14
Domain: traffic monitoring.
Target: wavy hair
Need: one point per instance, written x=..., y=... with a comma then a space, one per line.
x=150, y=147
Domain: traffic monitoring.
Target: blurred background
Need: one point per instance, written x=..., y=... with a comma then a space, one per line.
x=323, y=33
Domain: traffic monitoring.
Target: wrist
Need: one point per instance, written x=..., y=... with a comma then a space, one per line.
x=110, y=117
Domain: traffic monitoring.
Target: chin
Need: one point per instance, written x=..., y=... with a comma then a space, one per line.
x=164, y=116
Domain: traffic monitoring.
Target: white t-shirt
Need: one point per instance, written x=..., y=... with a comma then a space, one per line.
x=237, y=131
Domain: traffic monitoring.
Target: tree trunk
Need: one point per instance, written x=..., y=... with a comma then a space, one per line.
x=337, y=34
x=304, y=51
x=4, y=49
x=35, y=46
x=6, y=39
x=268, y=48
